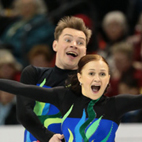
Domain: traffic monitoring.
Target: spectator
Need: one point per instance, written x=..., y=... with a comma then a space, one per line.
x=41, y=56
x=9, y=69
x=122, y=54
x=115, y=30
x=31, y=28
x=7, y=109
x=136, y=40
x=130, y=86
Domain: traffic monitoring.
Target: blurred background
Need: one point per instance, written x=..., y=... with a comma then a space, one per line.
x=27, y=32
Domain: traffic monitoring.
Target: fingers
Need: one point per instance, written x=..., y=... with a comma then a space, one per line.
x=61, y=136
x=56, y=138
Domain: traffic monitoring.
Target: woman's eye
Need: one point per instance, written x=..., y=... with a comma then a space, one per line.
x=91, y=73
x=102, y=74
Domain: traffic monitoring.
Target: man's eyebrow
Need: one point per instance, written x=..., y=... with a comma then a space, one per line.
x=72, y=36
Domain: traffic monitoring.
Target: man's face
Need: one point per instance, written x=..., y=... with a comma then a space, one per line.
x=69, y=48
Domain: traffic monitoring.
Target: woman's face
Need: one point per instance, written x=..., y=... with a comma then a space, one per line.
x=94, y=79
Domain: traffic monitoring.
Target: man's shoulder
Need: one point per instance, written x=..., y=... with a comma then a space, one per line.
x=35, y=73
x=37, y=69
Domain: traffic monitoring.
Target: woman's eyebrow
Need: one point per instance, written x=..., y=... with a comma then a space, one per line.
x=100, y=70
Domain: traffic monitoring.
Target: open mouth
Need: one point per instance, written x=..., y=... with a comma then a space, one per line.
x=95, y=88
x=73, y=54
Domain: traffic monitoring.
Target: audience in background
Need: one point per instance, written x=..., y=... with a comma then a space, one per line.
x=41, y=56
x=9, y=69
x=31, y=28
x=6, y=18
x=136, y=40
x=131, y=9
x=7, y=109
x=130, y=86
x=115, y=30
x=122, y=66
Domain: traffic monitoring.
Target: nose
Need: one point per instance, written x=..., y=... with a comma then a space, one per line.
x=74, y=45
x=96, y=78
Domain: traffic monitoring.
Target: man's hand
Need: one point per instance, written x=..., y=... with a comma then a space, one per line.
x=57, y=138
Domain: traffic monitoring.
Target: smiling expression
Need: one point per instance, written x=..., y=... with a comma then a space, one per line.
x=69, y=48
x=94, y=78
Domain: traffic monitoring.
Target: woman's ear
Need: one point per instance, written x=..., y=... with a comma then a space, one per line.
x=79, y=77
x=109, y=79
x=54, y=45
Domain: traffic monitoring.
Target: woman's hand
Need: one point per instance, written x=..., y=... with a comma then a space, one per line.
x=56, y=138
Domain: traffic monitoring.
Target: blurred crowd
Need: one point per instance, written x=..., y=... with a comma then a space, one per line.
x=27, y=33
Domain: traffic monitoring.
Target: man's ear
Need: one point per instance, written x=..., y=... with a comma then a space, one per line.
x=54, y=45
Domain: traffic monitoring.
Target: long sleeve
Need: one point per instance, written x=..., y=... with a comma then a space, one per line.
x=25, y=113
x=49, y=95
x=125, y=103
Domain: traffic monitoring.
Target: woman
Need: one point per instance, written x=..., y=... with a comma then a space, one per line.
x=88, y=115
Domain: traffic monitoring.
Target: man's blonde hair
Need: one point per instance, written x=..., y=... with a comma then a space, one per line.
x=74, y=23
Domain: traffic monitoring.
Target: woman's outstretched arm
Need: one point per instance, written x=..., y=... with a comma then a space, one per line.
x=49, y=95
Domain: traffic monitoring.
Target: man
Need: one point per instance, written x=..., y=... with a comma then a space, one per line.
x=71, y=38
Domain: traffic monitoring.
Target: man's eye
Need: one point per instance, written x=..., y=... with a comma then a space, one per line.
x=67, y=40
x=80, y=43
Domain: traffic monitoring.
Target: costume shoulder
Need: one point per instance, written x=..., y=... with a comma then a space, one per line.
x=31, y=74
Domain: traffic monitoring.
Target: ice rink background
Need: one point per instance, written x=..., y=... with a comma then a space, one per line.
x=125, y=133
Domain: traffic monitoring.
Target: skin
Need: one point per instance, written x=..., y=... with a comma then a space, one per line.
x=70, y=40
x=94, y=73
x=57, y=138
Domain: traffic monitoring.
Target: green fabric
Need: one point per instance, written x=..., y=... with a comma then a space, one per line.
x=91, y=117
